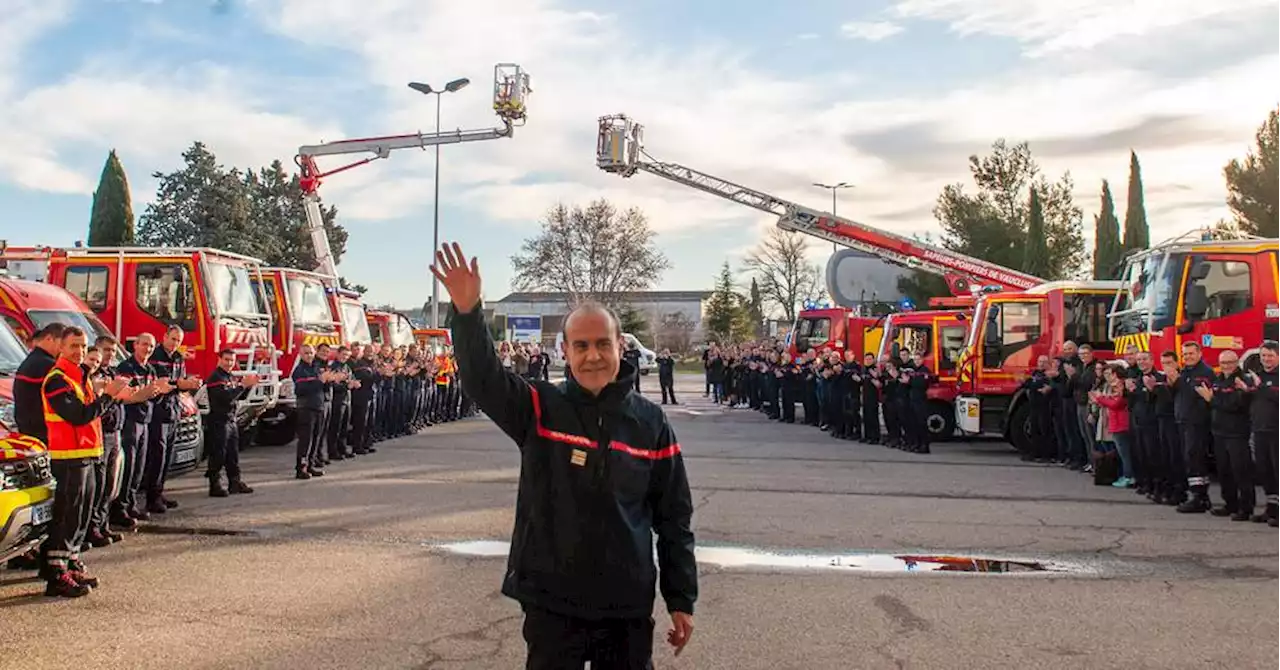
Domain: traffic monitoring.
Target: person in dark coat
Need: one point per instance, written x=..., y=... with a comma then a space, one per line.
x=601, y=473
x=667, y=376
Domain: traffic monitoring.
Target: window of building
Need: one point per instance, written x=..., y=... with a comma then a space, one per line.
x=89, y=283
x=166, y=291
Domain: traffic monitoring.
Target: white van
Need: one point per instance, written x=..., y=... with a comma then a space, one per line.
x=647, y=357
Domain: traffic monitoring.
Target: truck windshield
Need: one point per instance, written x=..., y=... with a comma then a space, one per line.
x=401, y=334
x=11, y=350
x=1151, y=287
x=308, y=303
x=232, y=290
x=354, y=323
x=87, y=322
x=812, y=332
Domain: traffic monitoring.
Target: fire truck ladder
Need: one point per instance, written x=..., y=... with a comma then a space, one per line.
x=620, y=150
x=510, y=90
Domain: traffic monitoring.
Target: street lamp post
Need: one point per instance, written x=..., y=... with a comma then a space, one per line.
x=833, y=188
x=426, y=89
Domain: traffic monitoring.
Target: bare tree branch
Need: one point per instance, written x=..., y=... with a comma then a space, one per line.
x=783, y=271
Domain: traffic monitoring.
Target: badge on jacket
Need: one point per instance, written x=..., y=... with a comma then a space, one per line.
x=579, y=457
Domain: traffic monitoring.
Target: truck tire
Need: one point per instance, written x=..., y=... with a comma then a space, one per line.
x=941, y=420
x=1020, y=427
x=275, y=434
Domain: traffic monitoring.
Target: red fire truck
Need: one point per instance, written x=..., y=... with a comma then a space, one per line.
x=207, y=292
x=939, y=335
x=28, y=306
x=391, y=328
x=1219, y=293
x=1008, y=332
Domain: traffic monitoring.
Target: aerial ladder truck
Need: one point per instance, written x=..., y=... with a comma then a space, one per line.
x=986, y=384
x=510, y=93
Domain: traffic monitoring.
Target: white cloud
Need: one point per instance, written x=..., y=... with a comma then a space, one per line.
x=702, y=105
x=871, y=31
x=1047, y=26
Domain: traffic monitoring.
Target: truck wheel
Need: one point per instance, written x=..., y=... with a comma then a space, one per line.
x=941, y=420
x=275, y=435
x=1020, y=428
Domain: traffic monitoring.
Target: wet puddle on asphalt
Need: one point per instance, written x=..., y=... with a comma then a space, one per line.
x=748, y=558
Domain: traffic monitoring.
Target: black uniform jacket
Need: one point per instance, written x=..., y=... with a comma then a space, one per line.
x=599, y=477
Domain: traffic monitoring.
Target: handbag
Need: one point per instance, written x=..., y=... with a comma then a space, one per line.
x=1106, y=468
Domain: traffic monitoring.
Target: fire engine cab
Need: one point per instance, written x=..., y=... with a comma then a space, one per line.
x=938, y=335
x=1008, y=333
x=391, y=328
x=134, y=290
x=301, y=313
x=836, y=329
x=1219, y=293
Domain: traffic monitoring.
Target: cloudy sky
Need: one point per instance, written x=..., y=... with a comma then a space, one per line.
x=889, y=95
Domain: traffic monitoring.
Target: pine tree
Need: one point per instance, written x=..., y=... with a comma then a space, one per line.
x=111, y=220
x=1036, y=262
x=1107, y=249
x=1253, y=185
x=756, y=308
x=727, y=319
x=1136, y=233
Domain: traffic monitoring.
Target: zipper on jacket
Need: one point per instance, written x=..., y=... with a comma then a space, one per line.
x=603, y=441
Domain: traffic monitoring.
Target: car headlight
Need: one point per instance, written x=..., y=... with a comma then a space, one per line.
x=7, y=416
x=286, y=389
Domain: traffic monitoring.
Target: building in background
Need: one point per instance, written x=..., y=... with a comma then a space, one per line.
x=674, y=317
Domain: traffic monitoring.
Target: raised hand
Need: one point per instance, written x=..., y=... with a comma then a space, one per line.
x=460, y=279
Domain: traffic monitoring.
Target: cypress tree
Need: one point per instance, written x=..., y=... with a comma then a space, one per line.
x=111, y=221
x=1107, y=248
x=1136, y=233
x=1036, y=261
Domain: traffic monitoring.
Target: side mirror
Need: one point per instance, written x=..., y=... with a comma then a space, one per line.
x=1197, y=301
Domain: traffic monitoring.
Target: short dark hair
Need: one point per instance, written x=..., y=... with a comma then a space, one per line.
x=105, y=341
x=1170, y=354
x=72, y=331
x=323, y=345
x=53, y=330
x=1086, y=345
x=343, y=348
x=174, y=328
x=224, y=352
x=1271, y=345
x=1191, y=343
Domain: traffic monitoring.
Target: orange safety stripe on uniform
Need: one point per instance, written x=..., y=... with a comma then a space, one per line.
x=582, y=441
x=51, y=417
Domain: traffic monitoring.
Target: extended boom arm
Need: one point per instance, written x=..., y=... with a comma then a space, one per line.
x=620, y=150
x=510, y=89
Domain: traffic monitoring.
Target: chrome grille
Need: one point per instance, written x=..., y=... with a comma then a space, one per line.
x=28, y=473
x=187, y=430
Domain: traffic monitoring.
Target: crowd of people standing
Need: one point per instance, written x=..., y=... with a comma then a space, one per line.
x=109, y=429
x=1161, y=417
x=839, y=394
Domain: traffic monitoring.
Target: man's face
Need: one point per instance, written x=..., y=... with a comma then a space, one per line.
x=357, y=351
x=1131, y=354
x=172, y=340
x=1169, y=363
x=73, y=349
x=1069, y=350
x=593, y=349
x=1145, y=362
x=1042, y=363
x=1228, y=361
x=1269, y=358
x=344, y=355
x=1190, y=355
x=323, y=352
x=869, y=360
x=142, y=348
x=227, y=362
x=1086, y=355
x=307, y=353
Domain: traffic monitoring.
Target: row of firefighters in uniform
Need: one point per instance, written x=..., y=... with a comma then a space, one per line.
x=839, y=394
x=110, y=431
x=1164, y=415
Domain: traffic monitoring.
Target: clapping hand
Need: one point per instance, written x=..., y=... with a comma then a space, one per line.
x=1205, y=392
x=460, y=279
x=114, y=387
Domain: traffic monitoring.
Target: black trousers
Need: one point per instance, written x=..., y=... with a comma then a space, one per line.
x=360, y=409
x=1235, y=472
x=891, y=426
x=1171, y=450
x=222, y=445
x=559, y=642
x=159, y=458
x=668, y=390
x=871, y=420
x=1146, y=439
x=1196, y=442
x=1266, y=455
x=339, y=416
x=107, y=473
x=72, y=506
x=133, y=452
x=310, y=428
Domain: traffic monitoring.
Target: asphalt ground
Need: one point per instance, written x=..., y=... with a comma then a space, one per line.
x=346, y=571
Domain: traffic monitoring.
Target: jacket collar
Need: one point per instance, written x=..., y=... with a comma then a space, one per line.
x=610, y=395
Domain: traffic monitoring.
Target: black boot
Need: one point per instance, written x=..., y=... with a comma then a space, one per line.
x=215, y=487
x=238, y=486
x=1198, y=503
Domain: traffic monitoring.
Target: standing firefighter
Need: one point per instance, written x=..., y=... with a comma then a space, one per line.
x=1263, y=416
x=222, y=437
x=601, y=472
x=71, y=411
x=667, y=376
x=1191, y=409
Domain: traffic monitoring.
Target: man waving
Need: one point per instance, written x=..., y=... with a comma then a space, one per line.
x=601, y=472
